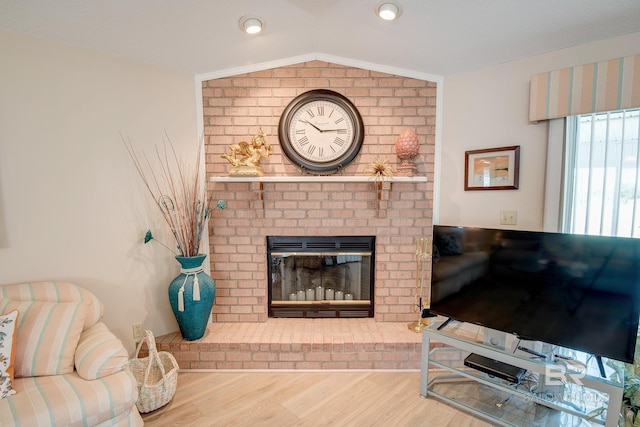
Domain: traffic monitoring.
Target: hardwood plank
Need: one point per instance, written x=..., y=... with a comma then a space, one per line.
x=258, y=401
x=319, y=392
x=249, y=398
x=346, y=408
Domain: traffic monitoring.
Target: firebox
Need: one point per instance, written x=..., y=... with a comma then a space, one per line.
x=321, y=276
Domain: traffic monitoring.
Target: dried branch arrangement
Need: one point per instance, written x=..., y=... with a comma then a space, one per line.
x=180, y=193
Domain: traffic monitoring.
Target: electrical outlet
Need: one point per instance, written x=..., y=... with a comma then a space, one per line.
x=508, y=217
x=138, y=330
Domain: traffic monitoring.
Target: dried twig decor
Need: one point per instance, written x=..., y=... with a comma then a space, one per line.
x=180, y=193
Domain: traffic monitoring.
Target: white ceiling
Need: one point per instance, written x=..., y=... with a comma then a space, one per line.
x=431, y=36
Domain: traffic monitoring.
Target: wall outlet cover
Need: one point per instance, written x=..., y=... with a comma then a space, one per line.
x=138, y=330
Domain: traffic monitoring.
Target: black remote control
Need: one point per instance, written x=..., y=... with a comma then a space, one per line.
x=560, y=356
x=535, y=353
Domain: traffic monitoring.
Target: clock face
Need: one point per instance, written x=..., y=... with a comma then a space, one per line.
x=321, y=131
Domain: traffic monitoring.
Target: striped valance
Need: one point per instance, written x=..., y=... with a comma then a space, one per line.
x=601, y=86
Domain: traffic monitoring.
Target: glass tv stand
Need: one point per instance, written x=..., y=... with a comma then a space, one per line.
x=560, y=387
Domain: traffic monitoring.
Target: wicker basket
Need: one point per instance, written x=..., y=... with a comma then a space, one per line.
x=156, y=375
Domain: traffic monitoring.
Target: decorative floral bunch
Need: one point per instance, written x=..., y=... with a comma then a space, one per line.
x=380, y=169
x=181, y=196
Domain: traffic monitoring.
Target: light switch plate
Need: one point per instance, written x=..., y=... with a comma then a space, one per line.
x=508, y=217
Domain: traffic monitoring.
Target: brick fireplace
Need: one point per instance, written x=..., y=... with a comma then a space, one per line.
x=236, y=107
x=242, y=336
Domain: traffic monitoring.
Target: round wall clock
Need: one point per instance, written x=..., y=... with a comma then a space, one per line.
x=321, y=131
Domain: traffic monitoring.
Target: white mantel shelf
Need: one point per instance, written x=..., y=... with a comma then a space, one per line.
x=323, y=179
x=316, y=178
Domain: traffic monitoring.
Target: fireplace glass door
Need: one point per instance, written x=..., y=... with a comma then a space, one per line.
x=321, y=276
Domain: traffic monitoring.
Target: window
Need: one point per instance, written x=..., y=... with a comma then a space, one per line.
x=602, y=174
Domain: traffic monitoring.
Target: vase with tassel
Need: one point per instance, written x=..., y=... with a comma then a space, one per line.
x=191, y=295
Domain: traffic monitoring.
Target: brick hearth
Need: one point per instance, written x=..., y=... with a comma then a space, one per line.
x=299, y=344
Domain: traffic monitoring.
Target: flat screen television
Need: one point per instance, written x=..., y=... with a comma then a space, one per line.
x=575, y=291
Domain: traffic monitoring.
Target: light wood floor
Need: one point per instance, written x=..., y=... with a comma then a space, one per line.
x=304, y=399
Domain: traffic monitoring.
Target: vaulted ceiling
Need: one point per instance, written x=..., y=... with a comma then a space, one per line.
x=431, y=36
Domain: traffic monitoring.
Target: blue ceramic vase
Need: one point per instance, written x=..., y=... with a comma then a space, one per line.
x=191, y=295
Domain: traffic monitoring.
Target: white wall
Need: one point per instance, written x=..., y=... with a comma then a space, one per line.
x=490, y=108
x=71, y=205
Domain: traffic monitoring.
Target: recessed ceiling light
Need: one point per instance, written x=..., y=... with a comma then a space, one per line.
x=388, y=11
x=251, y=24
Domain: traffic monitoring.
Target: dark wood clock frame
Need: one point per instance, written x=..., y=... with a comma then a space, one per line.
x=314, y=167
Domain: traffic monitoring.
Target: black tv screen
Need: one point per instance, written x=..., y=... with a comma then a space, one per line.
x=575, y=291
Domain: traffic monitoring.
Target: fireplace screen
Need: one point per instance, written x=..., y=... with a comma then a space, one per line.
x=321, y=276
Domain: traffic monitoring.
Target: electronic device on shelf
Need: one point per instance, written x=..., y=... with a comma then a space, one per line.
x=532, y=352
x=575, y=291
x=495, y=368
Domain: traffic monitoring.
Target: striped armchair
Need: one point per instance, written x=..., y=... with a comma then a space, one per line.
x=69, y=369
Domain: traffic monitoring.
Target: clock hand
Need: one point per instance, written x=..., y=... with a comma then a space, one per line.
x=335, y=130
x=309, y=123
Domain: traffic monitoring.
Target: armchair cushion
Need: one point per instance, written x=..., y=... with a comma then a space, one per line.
x=70, y=401
x=48, y=335
x=99, y=353
x=56, y=292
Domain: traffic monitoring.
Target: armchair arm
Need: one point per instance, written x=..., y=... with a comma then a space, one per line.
x=99, y=353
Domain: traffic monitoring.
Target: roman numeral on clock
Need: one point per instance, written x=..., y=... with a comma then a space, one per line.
x=341, y=119
x=301, y=131
x=320, y=110
x=303, y=141
x=310, y=113
x=311, y=149
x=339, y=141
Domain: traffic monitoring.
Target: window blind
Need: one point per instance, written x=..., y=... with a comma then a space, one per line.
x=583, y=89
